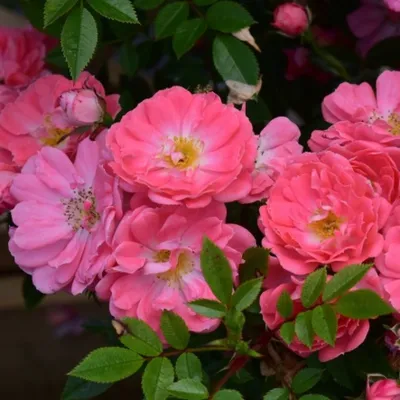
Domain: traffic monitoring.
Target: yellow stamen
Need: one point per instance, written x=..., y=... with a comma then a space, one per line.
x=394, y=122
x=185, y=153
x=55, y=135
x=325, y=228
x=183, y=267
x=162, y=256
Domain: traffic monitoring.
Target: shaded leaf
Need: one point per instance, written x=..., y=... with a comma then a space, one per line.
x=255, y=264
x=287, y=332
x=246, y=294
x=169, y=18
x=189, y=389
x=157, y=377
x=117, y=10
x=148, y=4
x=54, y=9
x=80, y=389
x=187, y=34
x=306, y=379
x=175, y=330
x=188, y=365
x=324, y=323
x=277, y=394
x=303, y=328
x=208, y=308
x=285, y=305
x=129, y=59
x=228, y=395
x=313, y=287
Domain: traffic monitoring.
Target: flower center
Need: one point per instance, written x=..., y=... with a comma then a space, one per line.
x=162, y=256
x=55, y=135
x=325, y=228
x=182, y=152
x=184, y=265
x=80, y=211
x=394, y=122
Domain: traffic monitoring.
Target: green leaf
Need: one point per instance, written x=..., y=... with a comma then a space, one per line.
x=234, y=60
x=189, y=389
x=188, y=365
x=344, y=280
x=79, y=389
x=32, y=296
x=203, y=2
x=341, y=372
x=246, y=294
x=255, y=264
x=169, y=18
x=313, y=287
x=362, y=304
x=234, y=321
x=129, y=59
x=55, y=9
x=306, y=379
x=228, y=17
x=108, y=364
x=314, y=397
x=157, y=377
x=148, y=4
x=324, y=323
x=56, y=58
x=227, y=394
x=277, y=394
x=187, y=34
x=287, y=332
x=143, y=339
x=217, y=271
x=175, y=330
x=303, y=328
x=208, y=308
x=78, y=40
x=117, y=10
x=285, y=305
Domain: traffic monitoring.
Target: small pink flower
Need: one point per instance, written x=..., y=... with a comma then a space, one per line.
x=8, y=171
x=374, y=21
x=384, y=389
x=157, y=253
x=35, y=119
x=291, y=18
x=277, y=143
x=65, y=215
x=22, y=53
x=312, y=217
x=7, y=95
x=185, y=148
x=351, y=333
x=82, y=106
x=377, y=166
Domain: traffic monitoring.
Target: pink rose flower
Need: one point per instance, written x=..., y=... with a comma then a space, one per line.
x=82, y=106
x=351, y=333
x=22, y=53
x=35, y=119
x=7, y=95
x=393, y=5
x=373, y=22
x=157, y=253
x=375, y=165
x=345, y=133
x=384, y=389
x=185, y=148
x=65, y=215
x=8, y=171
x=358, y=103
x=277, y=143
x=312, y=217
x=291, y=18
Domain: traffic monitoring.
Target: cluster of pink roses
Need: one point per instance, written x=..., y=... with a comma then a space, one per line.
x=125, y=215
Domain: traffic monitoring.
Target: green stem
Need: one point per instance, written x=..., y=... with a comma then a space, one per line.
x=193, y=350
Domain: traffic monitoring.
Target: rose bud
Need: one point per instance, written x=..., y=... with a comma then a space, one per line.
x=291, y=18
x=82, y=107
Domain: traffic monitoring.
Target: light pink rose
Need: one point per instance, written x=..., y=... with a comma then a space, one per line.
x=345, y=133
x=22, y=53
x=35, y=119
x=277, y=143
x=82, y=106
x=358, y=103
x=375, y=165
x=8, y=171
x=7, y=95
x=320, y=211
x=393, y=5
x=374, y=21
x=351, y=333
x=384, y=389
x=291, y=18
x=185, y=148
x=66, y=214
x=157, y=253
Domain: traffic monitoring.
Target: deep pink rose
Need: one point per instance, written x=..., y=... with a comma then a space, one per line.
x=385, y=389
x=7, y=95
x=22, y=53
x=320, y=211
x=157, y=253
x=184, y=148
x=393, y=5
x=291, y=18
